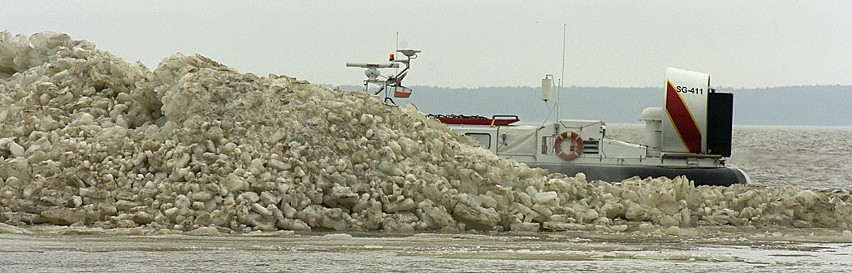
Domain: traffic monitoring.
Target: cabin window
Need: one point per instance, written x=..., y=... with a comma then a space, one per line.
x=482, y=138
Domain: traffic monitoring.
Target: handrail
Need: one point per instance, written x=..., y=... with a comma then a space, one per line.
x=689, y=155
x=494, y=118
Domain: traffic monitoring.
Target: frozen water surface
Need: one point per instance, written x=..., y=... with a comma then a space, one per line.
x=707, y=250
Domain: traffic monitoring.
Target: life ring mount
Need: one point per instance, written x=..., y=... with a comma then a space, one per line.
x=576, y=146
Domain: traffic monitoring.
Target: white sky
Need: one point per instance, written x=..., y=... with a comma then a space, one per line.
x=473, y=43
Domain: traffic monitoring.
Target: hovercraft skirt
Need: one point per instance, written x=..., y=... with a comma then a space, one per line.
x=723, y=176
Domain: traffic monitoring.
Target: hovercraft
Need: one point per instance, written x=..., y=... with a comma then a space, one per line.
x=689, y=136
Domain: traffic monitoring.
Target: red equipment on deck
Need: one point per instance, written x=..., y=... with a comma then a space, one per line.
x=496, y=120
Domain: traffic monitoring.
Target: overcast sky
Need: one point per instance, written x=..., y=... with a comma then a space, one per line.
x=473, y=43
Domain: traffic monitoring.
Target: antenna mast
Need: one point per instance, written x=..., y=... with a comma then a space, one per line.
x=561, y=77
x=397, y=49
x=395, y=81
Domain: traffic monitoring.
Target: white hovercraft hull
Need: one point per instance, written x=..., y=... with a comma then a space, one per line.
x=689, y=136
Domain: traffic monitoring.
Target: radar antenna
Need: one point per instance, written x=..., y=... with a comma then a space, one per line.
x=386, y=83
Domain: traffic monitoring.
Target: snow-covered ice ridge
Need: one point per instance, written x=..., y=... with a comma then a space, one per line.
x=87, y=139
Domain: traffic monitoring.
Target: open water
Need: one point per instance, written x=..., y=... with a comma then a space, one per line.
x=807, y=157
x=812, y=157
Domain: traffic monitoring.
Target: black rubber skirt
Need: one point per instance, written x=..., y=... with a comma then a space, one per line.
x=722, y=176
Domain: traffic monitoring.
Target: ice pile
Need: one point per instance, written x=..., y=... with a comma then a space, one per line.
x=87, y=139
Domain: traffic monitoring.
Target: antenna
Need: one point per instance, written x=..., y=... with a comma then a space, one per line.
x=547, y=84
x=397, y=49
x=561, y=77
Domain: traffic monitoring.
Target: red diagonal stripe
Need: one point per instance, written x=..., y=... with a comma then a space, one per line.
x=682, y=119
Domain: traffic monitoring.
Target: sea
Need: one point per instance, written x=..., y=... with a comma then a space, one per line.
x=806, y=157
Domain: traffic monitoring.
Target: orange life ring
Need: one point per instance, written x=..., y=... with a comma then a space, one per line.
x=576, y=144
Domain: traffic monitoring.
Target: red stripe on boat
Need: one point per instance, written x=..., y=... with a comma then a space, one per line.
x=682, y=119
